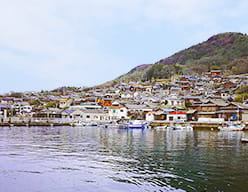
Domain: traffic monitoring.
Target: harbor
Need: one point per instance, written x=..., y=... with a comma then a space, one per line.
x=97, y=159
x=124, y=96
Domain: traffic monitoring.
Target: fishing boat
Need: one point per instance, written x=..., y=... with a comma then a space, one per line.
x=137, y=124
x=244, y=140
x=83, y=124
x=179, y=126
x=232, y=126
x=115, y=126
x=163, y=127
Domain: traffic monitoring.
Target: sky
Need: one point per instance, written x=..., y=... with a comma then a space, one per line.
x=52, y=43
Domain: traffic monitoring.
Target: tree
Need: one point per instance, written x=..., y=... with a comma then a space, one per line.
x=188, y=104
x=241, y=97
x=234, y=69
x=243, y=89
x=51, y=104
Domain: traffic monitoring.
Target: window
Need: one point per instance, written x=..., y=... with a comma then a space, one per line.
x=121, y=110
x=87, y=116
x=170, y=118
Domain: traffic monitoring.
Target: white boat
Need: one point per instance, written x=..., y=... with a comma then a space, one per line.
x=83, y=124
x=114, y=126
x=137, y=124
x=244, y=140
x=232, y=126
x=163, y=127
x=180, y=126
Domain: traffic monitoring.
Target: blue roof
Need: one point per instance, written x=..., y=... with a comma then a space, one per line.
x=2, y=106
x=68, y=111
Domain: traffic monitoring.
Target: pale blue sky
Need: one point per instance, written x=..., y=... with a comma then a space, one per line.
x=50, y=43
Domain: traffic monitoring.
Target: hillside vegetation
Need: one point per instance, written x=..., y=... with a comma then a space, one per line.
x=225, y=51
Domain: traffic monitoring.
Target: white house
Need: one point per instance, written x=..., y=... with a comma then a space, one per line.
x=77, y=114
x=177, y=116
x=117, y=112
x=22, y=107
x=26, y=109
x=91, y=115
x=96, y=116
x=65, y=103
x=225, y=96
x=126, y=95
x=150, y=116
x=175, y=101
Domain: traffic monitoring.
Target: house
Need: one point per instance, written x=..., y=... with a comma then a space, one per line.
x=46, y=114
x=77, y=114
x=233, y=111
x=90, y=115
x=191, y=115
x=4, y=110
x=192, y=99
x=7, y=100
x=175, y=90
x=26, y=109
x=209, y=109
x=156, y=115
x=215, y=72
x=117, y=112
x=66, y=114
x=65, y=103
x=22, y=107
x=136, y=111
x=95, y=116
x=225, y=95
x=174, y=101
x=150, y=116
x=177, y=116
x=85, y=106
x=126, y=95
x=184, y=85
x=105, y=101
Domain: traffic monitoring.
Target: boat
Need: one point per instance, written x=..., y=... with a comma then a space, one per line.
x=232, y=126
x=163, y=127
x=137, y=124
x=244, y=140
x=83, y=124
x=115, y=126
x=180, y=126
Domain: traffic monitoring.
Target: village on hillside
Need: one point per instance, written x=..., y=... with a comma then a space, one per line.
x=209, y=97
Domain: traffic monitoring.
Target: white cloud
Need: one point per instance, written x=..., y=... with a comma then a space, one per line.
x=56, y=40
x=52, y=47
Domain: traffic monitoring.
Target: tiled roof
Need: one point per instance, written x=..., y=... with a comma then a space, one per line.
x=177, y=113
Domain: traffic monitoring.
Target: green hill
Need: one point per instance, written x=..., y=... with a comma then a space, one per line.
x=225, y=51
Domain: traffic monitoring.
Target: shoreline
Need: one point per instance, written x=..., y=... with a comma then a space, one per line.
x=153, y=124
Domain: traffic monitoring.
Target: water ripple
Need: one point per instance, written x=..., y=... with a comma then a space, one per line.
x=94, y=159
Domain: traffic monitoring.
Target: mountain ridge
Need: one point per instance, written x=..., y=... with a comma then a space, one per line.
x=224, y=51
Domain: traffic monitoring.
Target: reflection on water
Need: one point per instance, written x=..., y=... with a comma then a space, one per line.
x=96, y=159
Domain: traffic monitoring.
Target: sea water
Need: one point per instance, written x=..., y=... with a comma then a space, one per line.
x=92, y=159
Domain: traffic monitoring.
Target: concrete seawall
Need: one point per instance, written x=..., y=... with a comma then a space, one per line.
x=36, y=124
